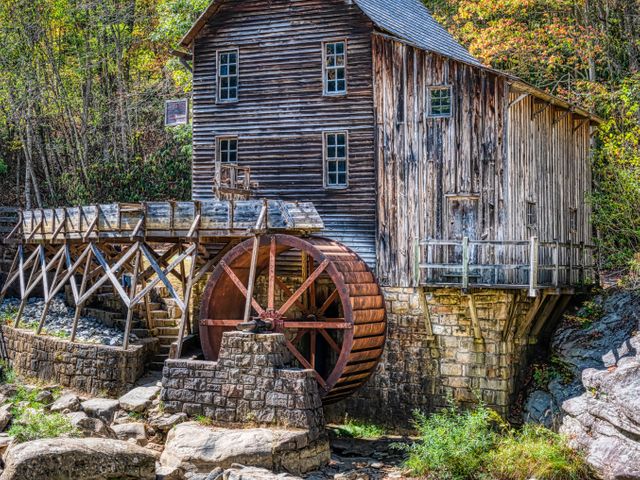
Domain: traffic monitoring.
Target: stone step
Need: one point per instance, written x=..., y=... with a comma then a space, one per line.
x=164, y=349
x=168, y=331
x=159, y=314
x=166, y=339
x=157, y=366
x=164, y=322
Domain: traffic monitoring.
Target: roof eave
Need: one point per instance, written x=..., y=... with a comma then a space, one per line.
x=199, y=24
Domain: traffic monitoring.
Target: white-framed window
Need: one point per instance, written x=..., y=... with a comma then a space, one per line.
x=440, y=101
x=334, y=67
x=227, y=149
x=336, y=164
x=227, y=75
x=532, y=215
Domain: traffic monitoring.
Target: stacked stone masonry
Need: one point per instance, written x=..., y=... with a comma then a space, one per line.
x=439, y=349
x=91, y=368
x=249, y=383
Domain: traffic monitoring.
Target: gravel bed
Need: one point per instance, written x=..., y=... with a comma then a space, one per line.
x=60, y=319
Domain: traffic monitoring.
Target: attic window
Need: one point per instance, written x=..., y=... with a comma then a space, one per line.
x=227, y=78
x=335, y=68
x=439, y=102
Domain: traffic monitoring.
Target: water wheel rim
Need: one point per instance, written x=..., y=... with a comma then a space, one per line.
x=286, y=243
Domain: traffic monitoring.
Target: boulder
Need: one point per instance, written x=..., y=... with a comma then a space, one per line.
x=5, y=416
x=131, y=431
x=198, y=449
x=89, y=426
x=139, y=399
x=78, y=459
x=169, y=473
x=240, y=472
x=68, y=402
x=45, y=397
x=166, y=422
x=5, y=442
x=102, y=408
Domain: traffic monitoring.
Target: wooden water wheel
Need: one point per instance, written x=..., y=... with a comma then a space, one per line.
x=317, y=292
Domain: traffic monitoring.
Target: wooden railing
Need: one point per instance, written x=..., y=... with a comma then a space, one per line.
x=233, y=180
x=529, y=264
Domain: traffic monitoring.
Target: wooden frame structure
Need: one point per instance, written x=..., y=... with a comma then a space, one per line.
x=134, y=247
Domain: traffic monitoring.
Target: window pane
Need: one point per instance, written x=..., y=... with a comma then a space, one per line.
x=340, y=47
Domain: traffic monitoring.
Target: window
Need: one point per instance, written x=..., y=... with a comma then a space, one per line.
x=335, y=66
x=227, y=149
x=439, y=101
x=532, y=217
x=335, y=159
x=573, y=220
x=228, y=76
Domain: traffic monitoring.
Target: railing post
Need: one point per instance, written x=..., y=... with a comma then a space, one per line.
x=581, y=264
x=533, y=266
x=556, y=265
x=465, y=263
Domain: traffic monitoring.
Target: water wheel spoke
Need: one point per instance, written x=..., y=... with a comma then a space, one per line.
x=283, y=286
x=299, y=335
x=271, y=293
x=327, y=303
x=312, y=286
x=329, y=340
x=303, y=288
x=305, y=363
x=293, y=324
x=214, y=322
x=234, y=278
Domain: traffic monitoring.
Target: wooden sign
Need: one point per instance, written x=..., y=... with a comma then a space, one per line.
x=176, y=112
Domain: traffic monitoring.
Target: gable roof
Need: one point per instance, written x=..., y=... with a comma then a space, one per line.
x=411, y=21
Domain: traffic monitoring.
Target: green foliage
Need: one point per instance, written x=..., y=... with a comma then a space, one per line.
x=476, y=444
x=556, y=369
x=202, y=420
x=356, y=429
x=453, y=444
x=34, y=424
x=588, y=313
x=535, y=452
x=7, y=374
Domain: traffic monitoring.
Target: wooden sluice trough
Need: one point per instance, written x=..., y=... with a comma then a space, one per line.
x=265, y=268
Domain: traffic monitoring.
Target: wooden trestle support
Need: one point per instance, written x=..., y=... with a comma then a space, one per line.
x=316, y=291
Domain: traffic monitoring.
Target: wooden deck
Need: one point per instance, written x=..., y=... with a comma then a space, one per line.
x=159, y=221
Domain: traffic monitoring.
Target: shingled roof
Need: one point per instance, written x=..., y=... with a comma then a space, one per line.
x=408, y=20
x=411, y=21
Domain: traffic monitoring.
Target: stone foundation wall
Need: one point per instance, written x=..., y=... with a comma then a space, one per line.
x=249, y=383
x=90, y=368
x=444, y=344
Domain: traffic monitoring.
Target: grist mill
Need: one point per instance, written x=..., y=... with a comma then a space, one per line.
x=411, y=220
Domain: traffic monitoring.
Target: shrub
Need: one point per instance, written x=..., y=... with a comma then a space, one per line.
x=477, y=444
x=33, y=424
x=535, y=452
x=453, y=444
x=355, y=429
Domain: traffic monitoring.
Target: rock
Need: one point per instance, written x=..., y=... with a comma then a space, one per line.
x=90, y=427
x=45, y=397
x=541, y=408
x=69, y=402
x=169, y=473
x=215, y=474
x=5, y=416
x=78, y=459
x=351, y=475
x=5, y=442
x=139, y=399
x=198, y=449
x=166, y=422
x=240, y=472
x=102, y=408
x=131, y=431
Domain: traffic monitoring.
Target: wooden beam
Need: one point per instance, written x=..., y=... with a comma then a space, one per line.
x=518, y=99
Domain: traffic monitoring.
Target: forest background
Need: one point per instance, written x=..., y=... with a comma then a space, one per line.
x=83, y=84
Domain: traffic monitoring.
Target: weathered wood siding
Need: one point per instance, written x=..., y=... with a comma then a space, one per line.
x=473, y=173
x=281, y=112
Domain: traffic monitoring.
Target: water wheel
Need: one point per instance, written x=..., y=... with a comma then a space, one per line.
x=317, y=292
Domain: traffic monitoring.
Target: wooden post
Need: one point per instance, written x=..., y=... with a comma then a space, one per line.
x=570, y=263
x=465, y=263
x=252, y=277
x=556, y=264
x=132, y=293
x=25, y=291
x=533, y=266
x=184, y=317
x=49, y=296
x=79, y=303
x=581, y=264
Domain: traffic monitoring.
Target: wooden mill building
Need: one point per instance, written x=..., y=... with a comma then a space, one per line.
x=464, y=188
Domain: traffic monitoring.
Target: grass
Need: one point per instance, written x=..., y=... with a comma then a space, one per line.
x=356, y=429
x=478, y=445
x=31, y=421
x=202, y=420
